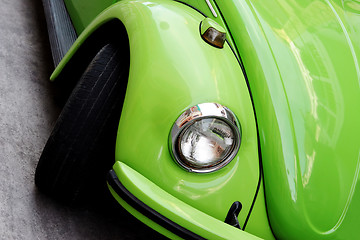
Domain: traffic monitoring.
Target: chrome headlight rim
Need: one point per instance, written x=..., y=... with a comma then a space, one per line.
x=197, y=113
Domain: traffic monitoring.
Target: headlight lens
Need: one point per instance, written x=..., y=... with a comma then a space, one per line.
x=205, y=138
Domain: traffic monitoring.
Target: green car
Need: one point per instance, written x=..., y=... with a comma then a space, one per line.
x=210, y=119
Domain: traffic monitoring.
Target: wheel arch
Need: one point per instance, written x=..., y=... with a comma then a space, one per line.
x=84, y=50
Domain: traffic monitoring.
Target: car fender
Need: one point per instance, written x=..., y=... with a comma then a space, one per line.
x=171, y=69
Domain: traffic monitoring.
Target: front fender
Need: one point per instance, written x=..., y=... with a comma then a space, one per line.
x=171, y=69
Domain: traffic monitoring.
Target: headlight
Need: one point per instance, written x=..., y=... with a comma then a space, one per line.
x=205, y=138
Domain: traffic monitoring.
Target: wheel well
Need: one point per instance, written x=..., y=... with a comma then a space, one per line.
x=112, y=31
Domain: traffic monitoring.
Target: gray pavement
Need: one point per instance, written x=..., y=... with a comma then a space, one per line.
x=27, y=114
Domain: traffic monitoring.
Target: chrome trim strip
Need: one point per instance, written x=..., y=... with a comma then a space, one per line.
x=211, y=8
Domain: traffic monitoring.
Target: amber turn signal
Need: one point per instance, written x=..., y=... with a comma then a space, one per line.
x=213, y=33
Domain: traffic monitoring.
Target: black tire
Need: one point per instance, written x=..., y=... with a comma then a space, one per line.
x=81, y=147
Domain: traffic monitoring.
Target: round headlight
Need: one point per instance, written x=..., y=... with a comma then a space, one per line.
x=205, y=138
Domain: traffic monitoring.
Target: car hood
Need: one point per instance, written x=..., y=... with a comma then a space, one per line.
x=302, y=62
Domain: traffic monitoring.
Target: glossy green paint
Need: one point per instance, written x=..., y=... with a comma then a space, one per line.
x=209, y=23
x=82, y=12
x=301, y=61
x=166, y=79
x=202, y=6
x=171, y=69
x=176, y=210
x=301, y=58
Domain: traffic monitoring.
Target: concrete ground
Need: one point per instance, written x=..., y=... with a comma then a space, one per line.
x=27, y=114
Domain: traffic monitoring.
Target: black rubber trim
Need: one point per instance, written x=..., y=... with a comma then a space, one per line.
x=61, y=30
x=233, y=213
x=148, y=212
